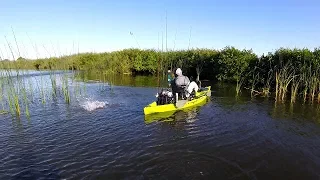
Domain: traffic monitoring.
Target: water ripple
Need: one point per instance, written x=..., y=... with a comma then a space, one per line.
x=222, y=140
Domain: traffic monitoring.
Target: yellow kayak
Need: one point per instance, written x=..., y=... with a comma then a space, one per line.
x=199, y=99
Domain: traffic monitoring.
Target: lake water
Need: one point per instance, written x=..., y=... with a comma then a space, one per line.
x=103, y=134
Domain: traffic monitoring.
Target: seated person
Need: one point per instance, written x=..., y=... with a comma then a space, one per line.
x=182, y=84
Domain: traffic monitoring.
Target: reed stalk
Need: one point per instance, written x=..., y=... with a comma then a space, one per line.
x=43, y=97
x=313, y=87
x=54, y=85
x=318, y=97
x=239, y=85
x=305, y=78
x=277, y=85
x=1, y=91
x=266, y=88
x=283, y=78
x=10, y=102
x=294, y=88
x=17, y=105
x=26, y=102
x=254, y=83
x=65, y=89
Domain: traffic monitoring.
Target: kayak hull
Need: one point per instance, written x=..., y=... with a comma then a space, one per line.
x=199, y=99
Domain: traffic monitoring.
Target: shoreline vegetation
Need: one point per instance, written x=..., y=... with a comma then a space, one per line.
x=286, y=74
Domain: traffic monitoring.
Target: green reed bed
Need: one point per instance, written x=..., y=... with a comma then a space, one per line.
x=16, y=91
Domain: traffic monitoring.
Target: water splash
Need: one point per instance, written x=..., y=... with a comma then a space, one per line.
x=93, y=105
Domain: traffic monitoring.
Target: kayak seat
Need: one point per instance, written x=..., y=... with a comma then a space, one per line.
x=181, y=92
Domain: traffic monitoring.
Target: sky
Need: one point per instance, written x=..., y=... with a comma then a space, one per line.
x=46, y=28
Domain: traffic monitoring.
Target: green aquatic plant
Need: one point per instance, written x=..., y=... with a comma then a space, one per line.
x=267, y=84
x=65, y=89
x=16, y=102
x=1, y=92
x=239, y=85
x=277, y=79
x=26, y=101
x=53, y=84
x=283, y=78
x=42, y=90
x=318, y=97
x=294, y=88
x=313, y=87
x=255, y=77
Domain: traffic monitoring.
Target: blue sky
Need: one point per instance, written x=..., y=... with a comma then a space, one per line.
x=59, y=27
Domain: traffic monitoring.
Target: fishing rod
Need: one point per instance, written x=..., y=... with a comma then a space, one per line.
x=15, y=39
x=189, y=37
x=34, y=46
x=135, y=39
x=158, y=65
x=1, y=55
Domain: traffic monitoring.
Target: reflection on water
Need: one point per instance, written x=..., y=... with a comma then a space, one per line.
x=298, y=112
x=119, y=80
x=188, y=115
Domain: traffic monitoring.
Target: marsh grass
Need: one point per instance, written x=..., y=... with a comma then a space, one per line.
x=53, y=84
x=313, y=86
x=65, y=89
x=283, y=78
x=255, y=78
x=1, y=92
x=42, y=91
x=294, y=88
x=18, y=90
x=318, y=98
x=267, y=84
x=240, y=81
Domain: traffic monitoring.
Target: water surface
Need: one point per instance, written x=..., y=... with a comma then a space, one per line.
x=227, y=138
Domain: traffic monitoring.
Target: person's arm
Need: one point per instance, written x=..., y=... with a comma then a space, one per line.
x=187, y=81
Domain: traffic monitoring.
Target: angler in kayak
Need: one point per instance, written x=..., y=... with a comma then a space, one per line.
x=184, y=95
x=182, y=85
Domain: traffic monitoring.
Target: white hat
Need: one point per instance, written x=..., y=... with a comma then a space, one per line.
x=179, y=72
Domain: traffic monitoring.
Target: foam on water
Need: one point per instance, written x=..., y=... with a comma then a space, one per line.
x=93, y=105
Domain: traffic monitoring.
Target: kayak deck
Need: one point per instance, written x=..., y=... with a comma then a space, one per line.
x=200, y=97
